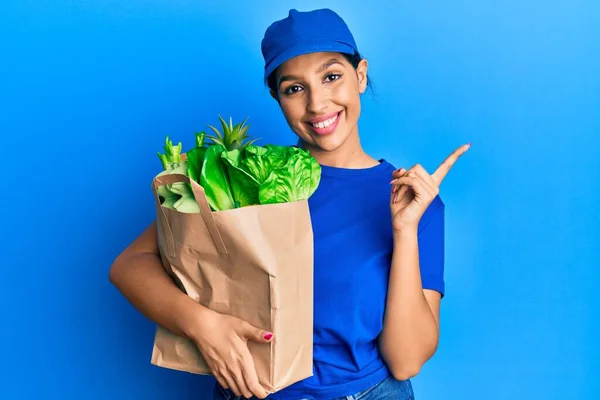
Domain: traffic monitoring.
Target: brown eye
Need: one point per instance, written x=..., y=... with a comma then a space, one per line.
x=292, y=89
x=332, y=77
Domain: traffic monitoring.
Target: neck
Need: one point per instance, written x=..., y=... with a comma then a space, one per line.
x=349, y=155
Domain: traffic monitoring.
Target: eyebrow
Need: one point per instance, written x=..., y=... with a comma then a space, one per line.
x=322, y=68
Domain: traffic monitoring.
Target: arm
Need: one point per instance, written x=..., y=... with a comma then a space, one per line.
x=139, y=275
x=411, y=321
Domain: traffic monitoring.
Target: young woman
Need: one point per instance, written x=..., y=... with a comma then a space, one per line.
x=378, y=239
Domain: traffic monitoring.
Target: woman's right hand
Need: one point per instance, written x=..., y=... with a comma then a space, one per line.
x=222, y=339
x=139, y=274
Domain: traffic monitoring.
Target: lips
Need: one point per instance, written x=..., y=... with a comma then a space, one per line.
x=323, y=118
x=326, y=124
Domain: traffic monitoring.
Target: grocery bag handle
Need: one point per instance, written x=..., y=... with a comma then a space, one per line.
x=200, y=196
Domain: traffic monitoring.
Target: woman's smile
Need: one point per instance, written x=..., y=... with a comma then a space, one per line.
x=324, y=125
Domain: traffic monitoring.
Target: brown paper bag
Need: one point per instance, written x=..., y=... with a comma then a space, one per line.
x=255, y=263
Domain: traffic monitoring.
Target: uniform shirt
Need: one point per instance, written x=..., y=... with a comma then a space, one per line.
x=353, y=243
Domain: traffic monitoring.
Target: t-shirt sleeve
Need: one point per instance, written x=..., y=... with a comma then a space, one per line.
x=431, y=246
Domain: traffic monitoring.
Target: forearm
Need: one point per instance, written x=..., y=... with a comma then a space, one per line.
x=142, y=280
x=410, y=331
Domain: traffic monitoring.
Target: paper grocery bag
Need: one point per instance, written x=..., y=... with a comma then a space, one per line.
x=255, y=263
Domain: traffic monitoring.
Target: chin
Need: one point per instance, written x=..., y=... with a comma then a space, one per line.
x=331, y=145
x=334, y=140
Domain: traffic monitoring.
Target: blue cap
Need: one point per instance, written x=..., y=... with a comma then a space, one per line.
x=303, y=32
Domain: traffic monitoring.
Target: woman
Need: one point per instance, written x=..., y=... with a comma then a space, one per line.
x=378, y=239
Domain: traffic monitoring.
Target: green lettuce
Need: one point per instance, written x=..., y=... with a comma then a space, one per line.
x=296, y=180
x=235, y=173
x=215, y=180
x=277, y=174
x=260, y=161
x=195, y=158
x=244, y=185
x=179, y=195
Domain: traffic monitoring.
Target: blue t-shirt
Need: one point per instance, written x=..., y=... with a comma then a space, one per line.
x=353, y=246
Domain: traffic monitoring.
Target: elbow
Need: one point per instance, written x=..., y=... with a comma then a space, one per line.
x=404, y=366
x=112, y=275
x=405, y=372
x=114, y=271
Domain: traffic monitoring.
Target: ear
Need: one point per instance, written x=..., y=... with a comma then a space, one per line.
x=361, y=71
x=274, y=95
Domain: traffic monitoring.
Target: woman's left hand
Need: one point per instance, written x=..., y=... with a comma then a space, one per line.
x=415, y=189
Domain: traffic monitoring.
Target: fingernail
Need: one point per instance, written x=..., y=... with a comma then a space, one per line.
x=470, y=143
x=268, y=335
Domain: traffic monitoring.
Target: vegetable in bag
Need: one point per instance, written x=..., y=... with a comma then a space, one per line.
x=236, y=173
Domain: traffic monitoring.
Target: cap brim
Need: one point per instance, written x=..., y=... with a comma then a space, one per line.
x=306, y=48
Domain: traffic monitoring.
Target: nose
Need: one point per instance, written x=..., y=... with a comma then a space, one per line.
x=318, y=99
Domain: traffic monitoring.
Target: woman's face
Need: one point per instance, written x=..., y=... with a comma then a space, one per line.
x=319, y=94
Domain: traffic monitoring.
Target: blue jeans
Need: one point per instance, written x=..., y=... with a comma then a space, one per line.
x=387, y=389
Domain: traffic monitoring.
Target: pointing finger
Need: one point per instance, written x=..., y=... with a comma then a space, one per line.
x=439, y=175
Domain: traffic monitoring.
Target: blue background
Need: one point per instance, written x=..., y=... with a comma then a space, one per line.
x=89, y=90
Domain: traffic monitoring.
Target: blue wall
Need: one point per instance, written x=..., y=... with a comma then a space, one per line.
x=88, y=91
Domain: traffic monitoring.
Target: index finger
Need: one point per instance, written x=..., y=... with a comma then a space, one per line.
x=439, y=175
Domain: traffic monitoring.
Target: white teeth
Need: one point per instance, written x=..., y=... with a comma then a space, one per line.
x=326, y=123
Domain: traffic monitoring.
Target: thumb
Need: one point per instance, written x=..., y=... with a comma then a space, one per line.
x=398, y=173
x=255, y=334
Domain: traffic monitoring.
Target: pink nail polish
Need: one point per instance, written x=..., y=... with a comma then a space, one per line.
x=268, y=335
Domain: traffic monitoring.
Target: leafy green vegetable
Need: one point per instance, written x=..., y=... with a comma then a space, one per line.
x=215, y=181
x=243, y=185
x=171, y=156
x=296, y=180
x=195, y=158
x=235, y=173
x=284, y=152
x=260, y=161
x=179, y=195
